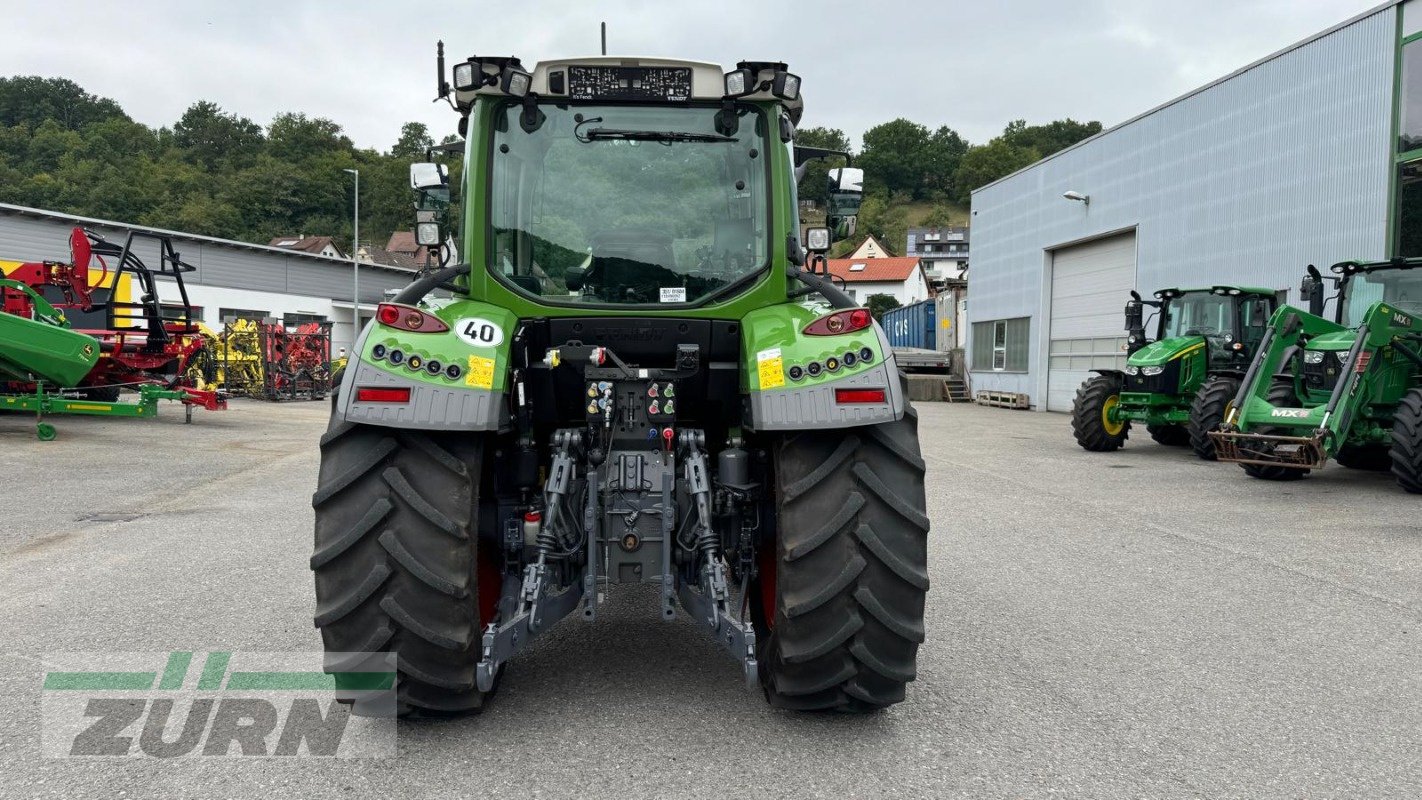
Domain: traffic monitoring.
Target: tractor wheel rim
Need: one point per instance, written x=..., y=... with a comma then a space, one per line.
x=1112, y=427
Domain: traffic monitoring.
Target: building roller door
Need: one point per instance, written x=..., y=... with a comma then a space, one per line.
x=1090, y=285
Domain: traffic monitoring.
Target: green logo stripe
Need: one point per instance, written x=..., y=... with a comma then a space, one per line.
x=176, y=670
x=213, y=669
x=99, y=681
x=271, y=681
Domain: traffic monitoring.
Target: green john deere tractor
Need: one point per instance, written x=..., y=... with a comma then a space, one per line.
x=641, y=376
x=1182, y=383
x=1349, y=389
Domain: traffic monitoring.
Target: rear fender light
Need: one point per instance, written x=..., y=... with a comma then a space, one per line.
x=380, y=394
x=408, y=318
x=855, y=319
x=860, y=396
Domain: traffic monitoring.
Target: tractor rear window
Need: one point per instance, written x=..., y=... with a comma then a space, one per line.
x=628, y=205
x=1400, y=287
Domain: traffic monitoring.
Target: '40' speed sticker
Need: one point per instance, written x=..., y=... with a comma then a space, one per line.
x=479, y=332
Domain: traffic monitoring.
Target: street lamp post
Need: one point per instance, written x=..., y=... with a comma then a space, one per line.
x=355, y=259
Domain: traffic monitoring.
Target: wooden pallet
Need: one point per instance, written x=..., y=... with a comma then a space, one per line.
x=1003, y=400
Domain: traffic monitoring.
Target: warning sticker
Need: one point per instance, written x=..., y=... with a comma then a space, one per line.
x=673, y=294
x=772, y=368
x=481, y=372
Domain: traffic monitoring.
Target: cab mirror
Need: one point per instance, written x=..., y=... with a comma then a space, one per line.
x=426, y=175
x=1135, y=315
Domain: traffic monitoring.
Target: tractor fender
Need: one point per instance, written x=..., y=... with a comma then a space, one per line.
x=1112, y=373
x=813, y=404
x=460, y=404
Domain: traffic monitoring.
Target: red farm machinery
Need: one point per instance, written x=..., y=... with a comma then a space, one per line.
x=109, y=294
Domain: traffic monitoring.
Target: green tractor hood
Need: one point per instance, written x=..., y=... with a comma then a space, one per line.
x=1340, y=341
x=1159, y=353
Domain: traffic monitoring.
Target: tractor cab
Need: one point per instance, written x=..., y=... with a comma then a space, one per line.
x=1397, y=282
x=1223, y=324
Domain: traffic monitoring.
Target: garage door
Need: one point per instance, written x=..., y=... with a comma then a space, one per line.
x=1090, y=285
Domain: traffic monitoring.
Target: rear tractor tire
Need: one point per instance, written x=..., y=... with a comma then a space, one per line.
x=1090, y=415
x=1407, y=442
x=1281, y=393
x=1169, y=435
x=1212, y=404
x=397, y=559
x=838, y=604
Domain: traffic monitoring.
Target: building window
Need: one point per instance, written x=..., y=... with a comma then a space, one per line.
x=856, y=267
x=234, y=314
x=301, y=318
x=1409, y=209
x=1001, y=345
x=1409, y=101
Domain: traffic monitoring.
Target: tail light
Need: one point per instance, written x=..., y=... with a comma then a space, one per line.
x=408, y=318
x=852, y=396
x=374, y=394
x=856, y=319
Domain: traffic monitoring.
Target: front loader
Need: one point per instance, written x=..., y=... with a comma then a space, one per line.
x=1349, y=389
x=1181, y=383
x=641, y=376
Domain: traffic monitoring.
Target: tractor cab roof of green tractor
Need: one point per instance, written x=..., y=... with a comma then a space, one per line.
x=627, y=79
x=1166, y=294
x=1346, y=268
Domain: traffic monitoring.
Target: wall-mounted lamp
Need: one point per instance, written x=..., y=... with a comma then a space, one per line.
x=1078, y=196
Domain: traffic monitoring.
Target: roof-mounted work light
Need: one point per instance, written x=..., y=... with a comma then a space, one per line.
x=740, y=83
x=467, y=76
x=515, y=82
x=785, y=85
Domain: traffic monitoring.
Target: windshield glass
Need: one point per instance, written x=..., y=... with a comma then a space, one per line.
x=1199, y=314
x=1400, y=287
x=628, y=204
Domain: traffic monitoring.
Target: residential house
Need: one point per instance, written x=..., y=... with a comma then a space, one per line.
x=316, y=245
x=870, y=248
x=900, y=278
x=944, y=251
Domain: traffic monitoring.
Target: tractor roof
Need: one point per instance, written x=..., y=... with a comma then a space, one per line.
x=1218, y=289
x=1350, y=267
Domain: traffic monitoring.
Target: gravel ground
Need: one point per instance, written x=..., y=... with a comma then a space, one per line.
x=1136, y=624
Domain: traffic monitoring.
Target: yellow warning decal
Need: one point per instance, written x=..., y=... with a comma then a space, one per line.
x=772, y=368
x=481, y=372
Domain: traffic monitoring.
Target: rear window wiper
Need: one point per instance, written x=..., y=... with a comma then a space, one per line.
x=655, y=136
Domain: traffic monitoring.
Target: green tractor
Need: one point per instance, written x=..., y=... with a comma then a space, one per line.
x=641, y=376
x=1349, y=389
x=1182, y=383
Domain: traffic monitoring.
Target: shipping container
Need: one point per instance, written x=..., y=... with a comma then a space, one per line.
x=914, y=325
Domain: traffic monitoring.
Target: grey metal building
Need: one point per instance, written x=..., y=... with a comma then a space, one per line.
x=1311, y=155
x=232, y=278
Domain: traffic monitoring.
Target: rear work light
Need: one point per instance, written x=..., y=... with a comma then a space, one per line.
x=850, y=396
x=373, y=394
x=840, y=322
x=408, y=318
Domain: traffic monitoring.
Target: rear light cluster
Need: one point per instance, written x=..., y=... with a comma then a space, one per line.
x=839, y=322
x=814, y=369
x=408, y=318
x=381, y=394
x=416, y=362
x=859, y=396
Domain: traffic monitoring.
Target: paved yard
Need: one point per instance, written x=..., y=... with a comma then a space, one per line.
x=1100, y=625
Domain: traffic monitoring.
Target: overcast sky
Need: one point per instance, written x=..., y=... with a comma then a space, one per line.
x=369, y=66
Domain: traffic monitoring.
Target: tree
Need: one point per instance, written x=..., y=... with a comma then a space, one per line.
x=884, y=220
x=208, y=136
x=30, y=100
x=942, y=154
x=413, y=142
x=984, y=164
x=1050, y=138
x=893, y=157
x=879, y=303
x=297, y=137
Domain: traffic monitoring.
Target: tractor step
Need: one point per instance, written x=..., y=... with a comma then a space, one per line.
x=1301, y=452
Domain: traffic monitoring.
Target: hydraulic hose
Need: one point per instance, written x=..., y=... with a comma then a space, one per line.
x=417, y=290
x=836, y=296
